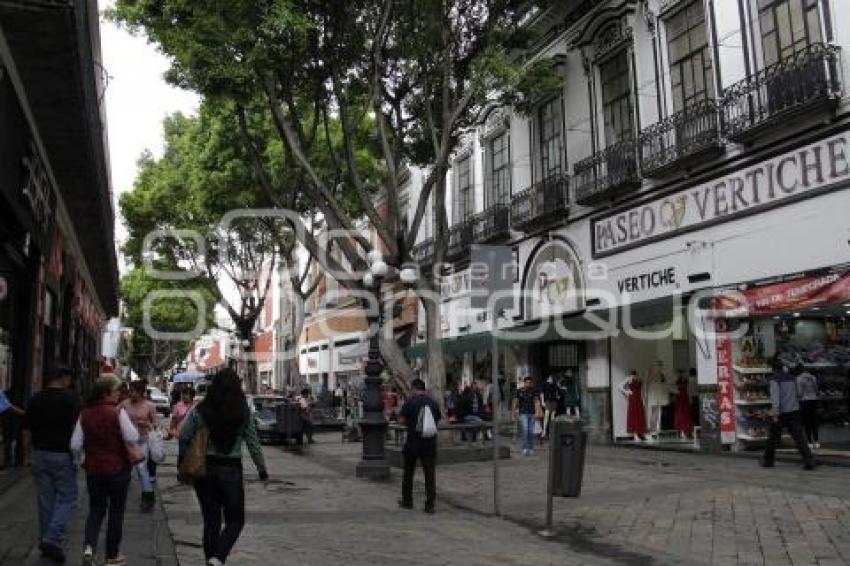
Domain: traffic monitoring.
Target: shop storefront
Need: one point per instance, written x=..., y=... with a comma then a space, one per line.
x=314, y=365
x=801, y=321
x=763, y=235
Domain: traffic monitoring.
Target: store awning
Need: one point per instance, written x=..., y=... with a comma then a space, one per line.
x=594, y=324
x=480, y=341
x=806, y=291
x=588, y=324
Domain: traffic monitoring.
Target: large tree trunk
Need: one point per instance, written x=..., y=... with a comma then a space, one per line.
x=293, y=366
x=400, y=371
x=436, y=364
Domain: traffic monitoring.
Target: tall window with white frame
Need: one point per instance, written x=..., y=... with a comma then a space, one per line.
x=463, y=204
x=787, y=27
x=691, y=74
x=498, y=158
x=617, y=98
x=549, y=119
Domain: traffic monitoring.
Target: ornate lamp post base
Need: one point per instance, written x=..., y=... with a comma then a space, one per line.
x=373, y=464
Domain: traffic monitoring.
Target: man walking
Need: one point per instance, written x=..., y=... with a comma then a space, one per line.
x=526, y=408
x=419, y=447
x=785, y=413
x=51, y=416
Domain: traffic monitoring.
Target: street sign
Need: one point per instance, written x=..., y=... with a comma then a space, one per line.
x=491, y=271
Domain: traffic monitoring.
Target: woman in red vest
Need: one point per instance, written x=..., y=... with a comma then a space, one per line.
x=101, y=435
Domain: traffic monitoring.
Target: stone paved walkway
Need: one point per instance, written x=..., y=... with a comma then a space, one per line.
x=311, y=515
x=146, y=537
x=663, y=506
x=638, y=507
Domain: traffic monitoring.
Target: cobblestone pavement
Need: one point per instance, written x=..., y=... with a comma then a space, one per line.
x=638, y=507
x=664, y=507
x=312, y=515
x=146, y=536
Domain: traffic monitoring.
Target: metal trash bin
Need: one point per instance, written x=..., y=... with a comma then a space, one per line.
x=566, y=458
x=289, y=421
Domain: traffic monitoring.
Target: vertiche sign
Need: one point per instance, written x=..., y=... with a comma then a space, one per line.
x=772, y=182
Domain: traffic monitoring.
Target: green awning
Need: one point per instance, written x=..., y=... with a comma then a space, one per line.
x=478, y=342
x=574, y=326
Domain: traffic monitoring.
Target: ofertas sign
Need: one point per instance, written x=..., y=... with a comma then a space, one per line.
x=793, y=175
x=725, y=391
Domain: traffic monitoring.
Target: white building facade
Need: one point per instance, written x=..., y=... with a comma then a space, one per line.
x=698, y=148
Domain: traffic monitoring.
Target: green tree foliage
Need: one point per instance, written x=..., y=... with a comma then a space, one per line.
x=149, y=356
x=405, y=76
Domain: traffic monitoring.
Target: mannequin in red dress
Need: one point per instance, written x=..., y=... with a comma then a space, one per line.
x=682, y=409
x=635, y=413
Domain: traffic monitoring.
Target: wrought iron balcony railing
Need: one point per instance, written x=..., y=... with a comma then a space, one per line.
x=687, y=135
x=540, y=204
x=804, y=81
x=423, y=252
x=607, y=175
x=492, y=224
x=460, y=238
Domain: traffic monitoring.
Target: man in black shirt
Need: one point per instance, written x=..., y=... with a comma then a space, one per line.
x=417, y=447
x=51, y=416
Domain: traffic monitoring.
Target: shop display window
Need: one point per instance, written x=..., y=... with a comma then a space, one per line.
x=817, y=339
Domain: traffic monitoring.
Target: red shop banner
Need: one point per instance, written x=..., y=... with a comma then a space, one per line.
x=805, y=292
x=725, y=389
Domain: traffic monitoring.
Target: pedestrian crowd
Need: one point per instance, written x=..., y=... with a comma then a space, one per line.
x=116, y=433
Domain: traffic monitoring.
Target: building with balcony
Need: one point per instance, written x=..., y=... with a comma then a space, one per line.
x=696, y=147
x=58, y=268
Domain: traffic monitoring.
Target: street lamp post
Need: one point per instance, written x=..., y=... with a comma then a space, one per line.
x=373, y=464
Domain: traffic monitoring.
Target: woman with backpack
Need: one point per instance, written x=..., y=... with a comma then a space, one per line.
x=102, y=433
x=225, y=414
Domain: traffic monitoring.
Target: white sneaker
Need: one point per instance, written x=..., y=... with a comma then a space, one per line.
x=88, y=556
x=817, y=445
x=525, y=452
x=214, y=562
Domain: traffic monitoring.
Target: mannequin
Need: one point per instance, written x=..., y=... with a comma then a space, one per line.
x=550, y=395
x=682, y=420
x=635, y=414
x=658, y=397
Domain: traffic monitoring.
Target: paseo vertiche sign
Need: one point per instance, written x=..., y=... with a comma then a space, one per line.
x=773, y=182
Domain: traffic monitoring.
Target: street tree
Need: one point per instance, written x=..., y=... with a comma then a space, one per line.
x=417, y=73
x=176, y=219
x=162, y=327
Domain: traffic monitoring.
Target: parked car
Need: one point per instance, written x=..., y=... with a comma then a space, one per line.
x=159, y=400
x=263, y=410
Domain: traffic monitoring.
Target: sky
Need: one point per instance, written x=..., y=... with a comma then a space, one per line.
x=137, y=99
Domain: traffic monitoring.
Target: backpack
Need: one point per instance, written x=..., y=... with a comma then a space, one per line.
x=426, y=427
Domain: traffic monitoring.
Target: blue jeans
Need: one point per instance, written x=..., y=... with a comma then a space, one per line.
x=107, y=492
x=527, y=422
x=143, y=470
x=56, y=480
